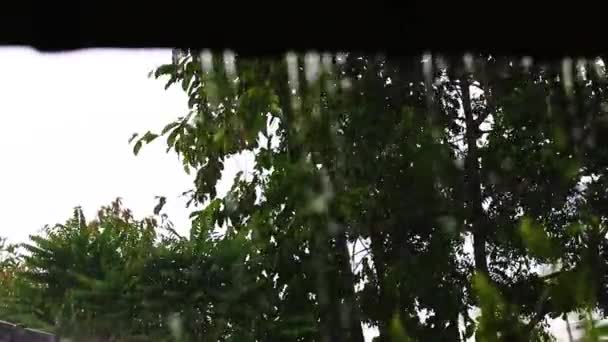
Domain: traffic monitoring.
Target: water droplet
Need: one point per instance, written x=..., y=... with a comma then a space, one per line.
x=468, y=62
x=526, y=62
x=311, y=66
x=326, y=61
x=175, y=325
x=507, y=164
x=333, y=228
x=292, y=70
x=230, y=64
x=207, y=61
x=567, y=75
x=581, y=69
x=449, y=224
x=599, y=68
x=345, y=83
x=459, y=163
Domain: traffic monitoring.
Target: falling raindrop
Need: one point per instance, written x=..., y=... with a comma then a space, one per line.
x=326, y=62
x=175, y=326
x=567, y=75
x=206, y=61
x=292, y=70
x=468, y=62
x=294, y=82
x=333, y=228
x=345, y=83
x=210, y=85
x=341, y=58
x=507, y=164
x=311, y=67
x=526, y=63
x=427, y=69
x=599, y=68
x=176, y=56
x=328, y=69
x=230, y=64
x=581, y=70
x=459, y=163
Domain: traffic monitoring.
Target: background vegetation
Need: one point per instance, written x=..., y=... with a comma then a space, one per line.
x=435, y=198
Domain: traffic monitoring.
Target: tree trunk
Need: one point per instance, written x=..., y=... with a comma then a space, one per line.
x=350, y=308
x=475, y=214
x=326, y=317
x=474, y=210
x=339, y=314
x=383, y=298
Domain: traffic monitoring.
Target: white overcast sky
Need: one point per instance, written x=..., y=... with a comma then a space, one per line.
x=65, y=121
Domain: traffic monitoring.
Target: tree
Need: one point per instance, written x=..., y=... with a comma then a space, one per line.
x=82, y=277
x=333, y=148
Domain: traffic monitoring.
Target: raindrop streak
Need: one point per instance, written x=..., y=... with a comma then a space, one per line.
x=294, y=82
x=208, y=78
x=230, y=65
x=427, y=70
x=326, y=64
x=581, y=70
x=526, y=63
x=599, y=68
x=567, y=75
x=468, y=62
x=311, y=67
x=206, y=61
x=175, y=325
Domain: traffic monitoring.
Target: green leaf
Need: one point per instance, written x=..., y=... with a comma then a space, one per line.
x=149, y=137
x=137, y=147
x=171, y=138
x=195, y=213
x=187, y=80
x=397, y=331
x=169, y=127
x=133, y=137
x=192, y=100
x=536, y=239
x=167, y=69
x=172, y=80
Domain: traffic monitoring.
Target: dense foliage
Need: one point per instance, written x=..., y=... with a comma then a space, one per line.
x=425, y=197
